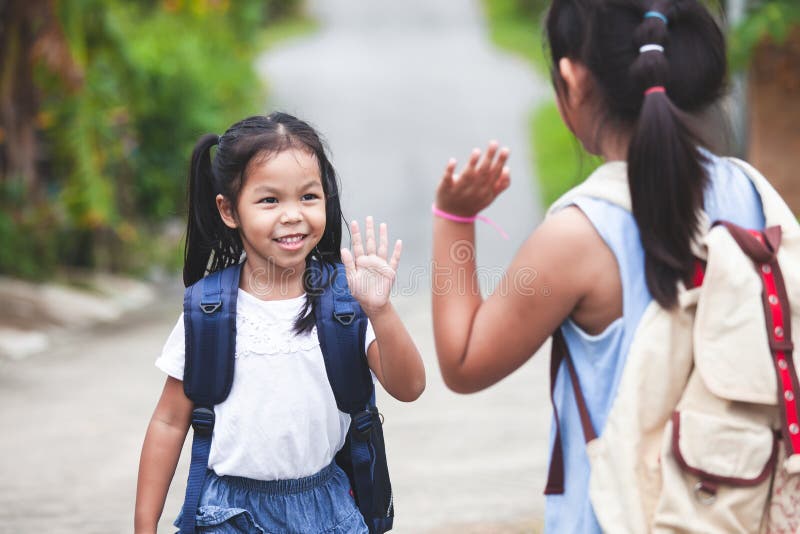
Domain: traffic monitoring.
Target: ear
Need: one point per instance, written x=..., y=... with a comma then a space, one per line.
x=226, y=211
x=577, y=79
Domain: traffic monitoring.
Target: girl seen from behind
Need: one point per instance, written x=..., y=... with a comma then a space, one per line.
x=630, y=77
x=270, y=195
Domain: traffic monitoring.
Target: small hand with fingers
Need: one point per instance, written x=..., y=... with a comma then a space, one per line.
x=370, y=274
x=479, y=183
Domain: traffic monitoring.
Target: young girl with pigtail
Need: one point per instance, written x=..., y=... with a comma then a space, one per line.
x=264, y=197
x=631, y=79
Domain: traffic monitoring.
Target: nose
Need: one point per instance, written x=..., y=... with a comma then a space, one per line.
x=291, y=214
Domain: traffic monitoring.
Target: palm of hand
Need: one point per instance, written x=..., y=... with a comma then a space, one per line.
x=370, y=275
x=371, y=283
x=479, y=183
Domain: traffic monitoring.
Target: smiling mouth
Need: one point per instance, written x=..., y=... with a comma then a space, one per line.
x=291, y=242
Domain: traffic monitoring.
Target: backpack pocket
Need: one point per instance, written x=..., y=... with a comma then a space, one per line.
x=716, y=473
x=732, y=351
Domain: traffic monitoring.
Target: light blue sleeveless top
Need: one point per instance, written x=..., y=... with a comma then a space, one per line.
x=599, y=359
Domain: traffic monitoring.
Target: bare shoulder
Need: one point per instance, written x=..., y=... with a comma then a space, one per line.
x=567, y=254
x=574, y=259
x=567, y=234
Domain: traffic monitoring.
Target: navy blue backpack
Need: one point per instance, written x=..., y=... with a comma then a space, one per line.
x=210, y=323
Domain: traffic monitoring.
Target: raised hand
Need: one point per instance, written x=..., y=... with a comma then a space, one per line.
x=370, y=274
x=478, y=184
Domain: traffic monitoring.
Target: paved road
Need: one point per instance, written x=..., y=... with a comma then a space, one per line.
x=397, y=87
x=73, y=423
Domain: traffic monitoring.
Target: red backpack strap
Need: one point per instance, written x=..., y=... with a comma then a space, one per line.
x=762, y=248
x=559, y=353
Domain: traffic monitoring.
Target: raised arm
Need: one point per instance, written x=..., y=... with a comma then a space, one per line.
x=393, y=357
x=479, y=342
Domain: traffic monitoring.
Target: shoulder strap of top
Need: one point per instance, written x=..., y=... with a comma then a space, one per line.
x=608, y=182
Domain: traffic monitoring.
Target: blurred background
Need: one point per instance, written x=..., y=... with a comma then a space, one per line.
x=101, y=102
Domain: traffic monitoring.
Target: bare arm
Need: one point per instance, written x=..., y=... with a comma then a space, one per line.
x=394, y=357
x=160, y=453
x=479, y=342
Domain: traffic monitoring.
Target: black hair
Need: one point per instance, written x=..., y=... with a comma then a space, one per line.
x=666, y=168
x=210, y=244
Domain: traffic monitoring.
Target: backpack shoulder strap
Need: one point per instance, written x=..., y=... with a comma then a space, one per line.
x=342, y=327
x=209, y=308
x=776, y=212
x=560, y=353
x=209, y=315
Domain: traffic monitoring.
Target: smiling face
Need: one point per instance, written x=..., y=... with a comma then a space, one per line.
x=280, y=215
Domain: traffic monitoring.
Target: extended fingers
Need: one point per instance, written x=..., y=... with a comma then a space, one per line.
x=370, y=245
x=500, y=163
x=349, y=264
x=503, y=181
x=449, y=172
x=395, y=260
x=488, y=159
x=358, y=246
x=472, y=162
x=383, y=242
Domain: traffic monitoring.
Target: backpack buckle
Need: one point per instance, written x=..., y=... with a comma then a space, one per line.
x=345, y=318
x=203, y=421
x=210, y=307
x=362, y=424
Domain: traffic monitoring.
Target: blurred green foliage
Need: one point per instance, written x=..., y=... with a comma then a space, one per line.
x=515, y=25
x=765, y=19
x=115, y=139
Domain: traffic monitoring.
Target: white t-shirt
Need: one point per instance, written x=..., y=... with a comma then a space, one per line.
x=280, y=420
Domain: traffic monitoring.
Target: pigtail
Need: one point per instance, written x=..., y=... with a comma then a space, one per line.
x=210, y=245
x=664, y=163
x=666, y=168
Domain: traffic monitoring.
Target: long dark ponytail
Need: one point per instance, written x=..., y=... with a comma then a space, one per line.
x=651, y=93
x=210, y=244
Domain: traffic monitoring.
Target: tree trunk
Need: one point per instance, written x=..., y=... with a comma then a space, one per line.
x=18, y=102
x=774, y=93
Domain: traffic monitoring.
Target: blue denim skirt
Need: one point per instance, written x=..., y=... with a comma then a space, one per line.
x=320, y=503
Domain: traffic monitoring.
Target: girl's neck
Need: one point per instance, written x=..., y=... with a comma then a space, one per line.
x=614, y=147
x=271, y=282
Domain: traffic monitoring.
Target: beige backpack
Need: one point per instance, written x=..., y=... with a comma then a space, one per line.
x=703, y=434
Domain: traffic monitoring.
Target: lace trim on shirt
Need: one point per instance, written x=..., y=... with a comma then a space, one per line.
x=259, y=337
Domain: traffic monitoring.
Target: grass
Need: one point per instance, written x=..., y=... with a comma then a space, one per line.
x=559, y=160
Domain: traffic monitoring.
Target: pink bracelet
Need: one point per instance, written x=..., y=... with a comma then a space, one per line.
x=460, y=219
